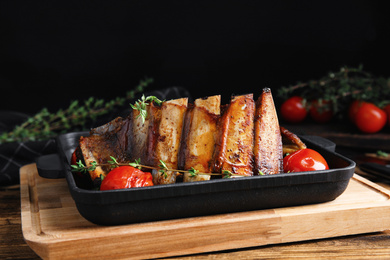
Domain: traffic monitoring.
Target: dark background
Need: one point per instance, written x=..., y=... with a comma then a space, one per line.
x=52, y=52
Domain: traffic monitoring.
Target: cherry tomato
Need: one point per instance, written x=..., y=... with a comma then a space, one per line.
x=73, y=161
x=321, y=112
x=353, y=108
x=370, y=118
x=126, y=177
x=293, y=110
x=387, y=110
x=304, y=160
x=83, y=180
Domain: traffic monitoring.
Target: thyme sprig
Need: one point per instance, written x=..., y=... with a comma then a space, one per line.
x=80, y=167
x=141, y=104
x=162, y=168
x=341, y=87
x=44, y=124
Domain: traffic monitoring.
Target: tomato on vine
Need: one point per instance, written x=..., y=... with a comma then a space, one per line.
x=387, y=110
x=304, y=160
x=293, y=110
x=321, y=111
x=126, y=177
x=353, y=108
x=369, y=118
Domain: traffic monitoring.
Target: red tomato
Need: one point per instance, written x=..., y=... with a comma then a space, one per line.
x=304, y=160
x=370, y=118
x=387, y=110
x=293, y=110
x=126, y=177
x=353, y=108
x=73, y=161
x=321, y=112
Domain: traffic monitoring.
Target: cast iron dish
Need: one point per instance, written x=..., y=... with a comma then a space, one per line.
x=180, y=200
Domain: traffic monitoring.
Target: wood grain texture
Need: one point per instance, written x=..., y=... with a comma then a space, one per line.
x=364, y=207
x=12, y=244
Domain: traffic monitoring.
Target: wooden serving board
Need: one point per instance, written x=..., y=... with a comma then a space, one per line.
x=54, y=229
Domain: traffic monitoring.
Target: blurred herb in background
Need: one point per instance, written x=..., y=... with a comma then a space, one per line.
x=341, y=88
x=44, y=124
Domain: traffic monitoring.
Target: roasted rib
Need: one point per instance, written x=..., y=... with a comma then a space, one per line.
x=139, y=134
x=268, y=148
x=198, y=139
x=166, y=135
x=108, y=140
x=234, y=148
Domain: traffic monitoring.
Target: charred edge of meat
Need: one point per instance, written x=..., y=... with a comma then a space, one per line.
x=153, y=135
x=291, y=142
x=183, y=153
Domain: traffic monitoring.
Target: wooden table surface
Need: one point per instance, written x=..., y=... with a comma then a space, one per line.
x=364, y=246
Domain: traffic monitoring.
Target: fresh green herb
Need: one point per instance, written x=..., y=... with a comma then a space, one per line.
x=226, y=174
x=162, y=167
x=113, y=162
x=136, y=164
x=382, y=153
x=192, y=172
x=80, y=167
x=141, y=104
x=78, y=116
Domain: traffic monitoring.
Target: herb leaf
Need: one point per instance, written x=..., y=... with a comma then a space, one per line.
x=113, y=162
x=192, y=172
x=141, y=104
x=136, y=164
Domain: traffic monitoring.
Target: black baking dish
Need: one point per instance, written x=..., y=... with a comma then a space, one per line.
x=217, y=196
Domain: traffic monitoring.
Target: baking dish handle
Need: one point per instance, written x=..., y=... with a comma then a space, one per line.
x=320, y=141
x=50, y=167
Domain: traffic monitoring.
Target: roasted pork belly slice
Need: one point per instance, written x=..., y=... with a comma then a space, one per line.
x=198, y=139
x=108, y=140
x=167, y=137
x=234, y=148
x=268, y=148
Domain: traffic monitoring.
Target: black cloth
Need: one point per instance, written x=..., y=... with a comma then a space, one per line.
x=16, y=154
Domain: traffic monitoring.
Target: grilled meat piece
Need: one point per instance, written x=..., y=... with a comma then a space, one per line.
x=166, y=134
x=199, y=136
x=139, y=134
x=108, y=140
x=234, y=148
x=242, y=137
x=291, y=142
x=153, y=135
x=268, y=148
